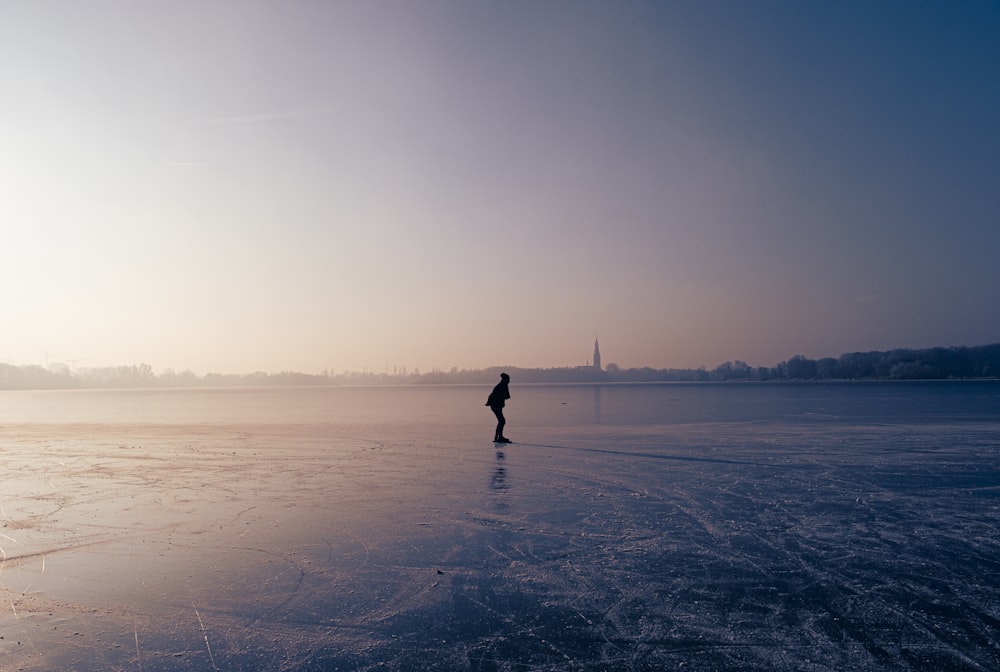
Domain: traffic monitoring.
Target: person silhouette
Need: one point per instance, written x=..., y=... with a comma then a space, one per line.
x=495, y=401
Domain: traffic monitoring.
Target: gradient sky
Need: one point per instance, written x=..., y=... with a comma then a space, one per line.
x=241, y=186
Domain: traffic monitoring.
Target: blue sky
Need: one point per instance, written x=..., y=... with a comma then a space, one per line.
x=241, y=186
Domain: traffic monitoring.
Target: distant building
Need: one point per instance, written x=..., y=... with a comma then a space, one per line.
x=591, y=367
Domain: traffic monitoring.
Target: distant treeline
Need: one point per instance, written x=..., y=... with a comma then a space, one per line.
x=904, y=364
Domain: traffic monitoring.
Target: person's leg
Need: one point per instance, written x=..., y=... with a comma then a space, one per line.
x=501, y=421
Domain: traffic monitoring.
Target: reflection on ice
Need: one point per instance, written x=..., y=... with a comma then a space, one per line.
x=499, y=481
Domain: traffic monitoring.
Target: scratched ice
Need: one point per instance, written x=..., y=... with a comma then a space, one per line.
x=673, y=527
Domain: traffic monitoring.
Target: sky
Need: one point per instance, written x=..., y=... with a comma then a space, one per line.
x=240, y=186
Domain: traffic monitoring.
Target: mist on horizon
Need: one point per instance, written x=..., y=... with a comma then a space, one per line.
x=336, y=186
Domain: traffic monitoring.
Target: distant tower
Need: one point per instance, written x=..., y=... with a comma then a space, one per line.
x=597, y=355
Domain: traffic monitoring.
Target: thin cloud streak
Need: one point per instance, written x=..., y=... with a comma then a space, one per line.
x=873, y=298
x=266, y=117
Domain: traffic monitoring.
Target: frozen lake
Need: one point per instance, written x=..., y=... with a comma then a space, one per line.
x=813, y=526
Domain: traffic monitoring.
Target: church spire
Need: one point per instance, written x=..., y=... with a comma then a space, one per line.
x=597, y=354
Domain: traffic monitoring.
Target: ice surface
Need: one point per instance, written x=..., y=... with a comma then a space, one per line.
x=809, y=532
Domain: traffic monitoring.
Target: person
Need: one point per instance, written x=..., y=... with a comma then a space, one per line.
x=498, y=396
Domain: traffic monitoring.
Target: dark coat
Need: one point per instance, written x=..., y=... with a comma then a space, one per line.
x=499, y=395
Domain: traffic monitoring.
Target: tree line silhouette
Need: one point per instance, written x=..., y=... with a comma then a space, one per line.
x=901, y=364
